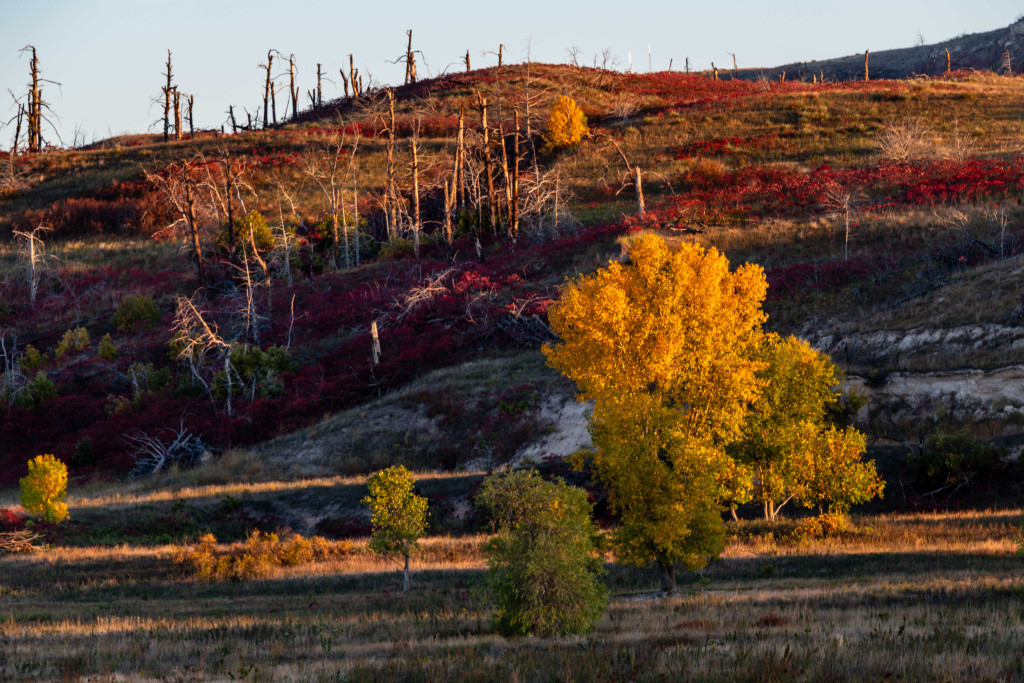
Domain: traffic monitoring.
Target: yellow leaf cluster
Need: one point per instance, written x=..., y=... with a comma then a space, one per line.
x=567, y=124
x=44, y=489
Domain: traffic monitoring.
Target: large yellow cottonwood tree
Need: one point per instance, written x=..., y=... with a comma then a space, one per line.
x=665, y=347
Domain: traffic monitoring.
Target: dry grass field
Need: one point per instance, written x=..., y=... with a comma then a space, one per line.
x=910, y=597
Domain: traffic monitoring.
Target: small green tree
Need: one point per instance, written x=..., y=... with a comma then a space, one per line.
x=399, y=514
x=545, y=573
x=794, y=452
x=44, y=489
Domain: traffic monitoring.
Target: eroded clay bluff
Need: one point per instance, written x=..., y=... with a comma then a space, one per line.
x=965, y=373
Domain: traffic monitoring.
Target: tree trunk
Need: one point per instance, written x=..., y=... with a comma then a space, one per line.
x=294, y=90
x=197, y=247
x=415, y=197
x=405, y=578
x=867, y=74
x=638, y=184
x=267, y=88
x=667, y=574
x=191, y=121
x=514, y=208
x=390, y=196
x=460, y=181
x=167, y=99
x=177, y=115
x=319, y=87
x=486, y=131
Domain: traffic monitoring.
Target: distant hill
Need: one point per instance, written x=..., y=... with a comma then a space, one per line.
x=982, y=51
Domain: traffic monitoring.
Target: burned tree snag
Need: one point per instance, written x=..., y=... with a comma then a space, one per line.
x=392, y=199
x=466, y=62
x=416, y=226
x=177, y=115
x=267, y=87
x=293, y=89
x=634, y=173
x=168, y=94
x=867, y=73
x=197, y=247
x=948, y=62
x=459, y=179
x=319, y=87
x=486, y=131
x=191, y=122
x=410, y=61
x=513, y=226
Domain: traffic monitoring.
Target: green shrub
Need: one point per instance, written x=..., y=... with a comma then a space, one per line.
x=74, y=340
x=36, y=392
x=261, y=233
x=107, y=350
x=953, y=458
x=136, y=311
x=44, y=489
x=84, y=454
x=256, y=371
x=544, y=570
x=396, y=250
x=31, y=359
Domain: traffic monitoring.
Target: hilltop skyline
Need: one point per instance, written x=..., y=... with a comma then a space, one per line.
x=109, y=55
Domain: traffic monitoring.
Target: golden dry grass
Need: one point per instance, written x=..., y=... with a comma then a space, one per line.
x=908, y=597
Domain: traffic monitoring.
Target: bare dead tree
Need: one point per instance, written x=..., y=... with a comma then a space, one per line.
x=177, y=115
x=35, y=106
x=410, y=61
x=842, y=201
x=330, y=165
x=488, y=170
x=180, y=188
x=195, y=338
x=416, y=218
x=867, y=72
x=465, y=60
x=499, y=53
x=191, y=121
x=267, y=85
x=633, y=171
x=154, y=453
x=35, y=252
x=168, y=89
x=293, y=89
x=319, y=86
x=390, y=198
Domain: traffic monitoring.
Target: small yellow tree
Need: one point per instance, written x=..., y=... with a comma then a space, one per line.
x=44, y=489
x=567, y=124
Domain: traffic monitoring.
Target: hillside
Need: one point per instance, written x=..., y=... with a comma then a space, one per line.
x=968, y=52
x=226, y=335
x=757, y=170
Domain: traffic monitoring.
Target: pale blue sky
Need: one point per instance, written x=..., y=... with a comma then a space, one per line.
x=109, y=54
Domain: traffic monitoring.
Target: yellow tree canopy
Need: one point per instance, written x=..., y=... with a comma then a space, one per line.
x=675, y=327
x=567, y=124
x=664, y=346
